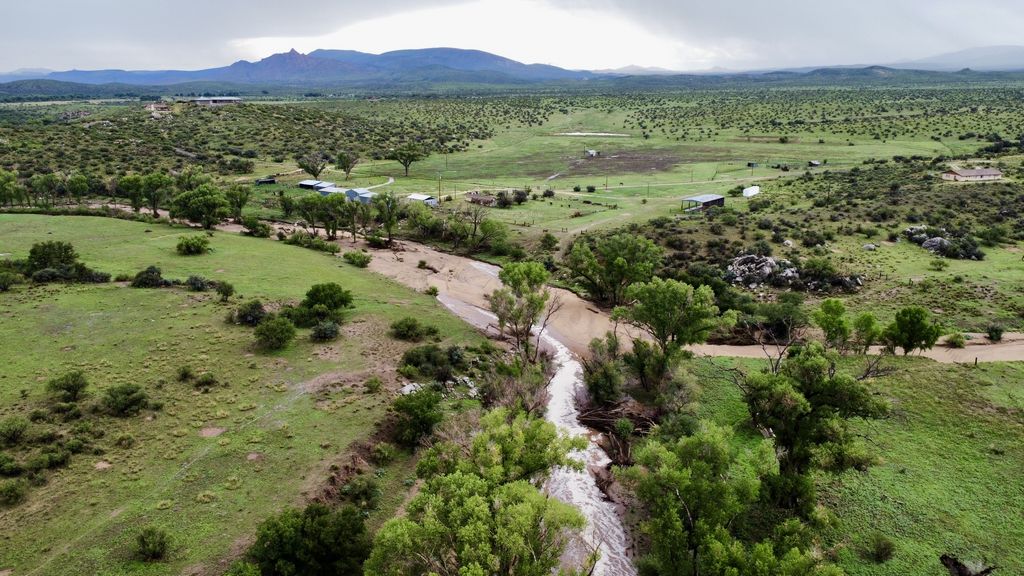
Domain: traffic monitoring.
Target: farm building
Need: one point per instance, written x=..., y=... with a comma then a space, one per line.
x=814, y=163
x=216, y=101
x=423, y=198
x=328, y=190
x=158, y=107
x=266, y=181
x=591, y=153
x=363, y=195
x=703, y=202
x=309, y=184
x=975, y=175
x=751, y=191
x=323, y=185
x=481, y=199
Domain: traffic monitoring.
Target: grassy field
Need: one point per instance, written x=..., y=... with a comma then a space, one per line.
x=949, y=451
x=207, y=467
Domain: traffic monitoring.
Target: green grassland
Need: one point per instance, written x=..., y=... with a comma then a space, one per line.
x=285, y=416
x=949, y=454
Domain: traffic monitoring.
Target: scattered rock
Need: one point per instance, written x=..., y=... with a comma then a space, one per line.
x=101, y=465
x=211, y=432
x=870, y=247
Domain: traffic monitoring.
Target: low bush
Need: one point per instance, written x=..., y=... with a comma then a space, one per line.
x=151, y=277
x=362, y=492
x=193, y=245
x=205, y=381
x=275, y=333
x=185, y=373
x=250, y=313
x=373, y=384
x=376, y=241
x=315, y=540
x=879, y=548
x=198, y=284
x=358, y=259
x=69, y=387
x=994, y=332
x=383, y=453
x=8, y=279
x=411, y=330
x=13, y=491
x=12, y=430
x=956, y=340
x=431, y=362
x=307, y=240
x=418, y=413
x=225, y=290
x=254, y=227
x=325, y=331
x=152, y=544
x=125, y=400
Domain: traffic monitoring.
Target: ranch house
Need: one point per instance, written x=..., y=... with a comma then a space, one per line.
x=975, y=175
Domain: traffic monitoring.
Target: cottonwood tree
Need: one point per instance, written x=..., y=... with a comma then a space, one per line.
x=131, y=188
x=238, y=196
x=912, y=330
x=309, y=209
x=205, y=205
x=521, y=304
x=191, y=177
x=156, y=188
x=406, y=154
x=313, y=163
x=388, y=208
x=77, y=186
x=347, y=161
x=9, y=193
x=831, y=318
x=806, y=407
x=615, y=262
x=674, y=314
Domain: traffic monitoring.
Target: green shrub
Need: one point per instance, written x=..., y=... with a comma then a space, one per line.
x=151, y=277
x=198, y=284
x=250, y=313
x=316, y=540
x=69, y=387
x=373, y=384
x=376, y=241
x=124, y=440
x=12, y=430
x=431, y=291
x=956, y=340
x=185, y=373
x=330, y=295
x=225, y=290
x=938, y=264
x=193, y=245
x=358, y=259
x=13, y=491
x=418, y=413
x=383, y=453
x=307, y=240
x=325, y=331
x=8, y=279
x=242, y=568
x=8, y=465
x=152, y=544
x=125, y=400
x=275, y=333
x=362, y=491
x=431, y=361
x=411, y=330
x=254, y=227
x=994, y=332
x=879, y=548
x=205, y=381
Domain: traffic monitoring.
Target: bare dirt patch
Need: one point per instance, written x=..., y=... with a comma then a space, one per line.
x=254, y=457
x=211, y=432
x=101, y=465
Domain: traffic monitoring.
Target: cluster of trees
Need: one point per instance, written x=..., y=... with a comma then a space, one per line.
x=51, y=261
x=322, y=310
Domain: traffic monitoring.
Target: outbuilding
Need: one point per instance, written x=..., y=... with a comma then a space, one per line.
x=481, y=199
x=422, y=198
x=328, y=190
x=266, y=181
x=323, y=185
x=216, y=101
x=751, y=191
x=364, y=195
x=975, y=175
x=309, y=184
x=703, y=202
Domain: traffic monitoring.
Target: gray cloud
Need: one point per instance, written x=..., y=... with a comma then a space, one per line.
x=730, y=33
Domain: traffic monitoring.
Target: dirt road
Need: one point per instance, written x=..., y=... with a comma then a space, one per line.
x=462, y=283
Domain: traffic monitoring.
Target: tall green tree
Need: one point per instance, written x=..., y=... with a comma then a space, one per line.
x=8, y=187
x=806, y=408
x=406, y=154
x=310, y=209
x=911, y=330
x=673, y=313
x=520, y=304
x=238, y=196
x=347, y=161
x=77, y=186
x=831, y=318
x=156, y=188
x=615, y=262
x=312, y=542
x=130, y=187
x=205, y=205
x=388, y=208
x=191, y=177
x=313, y=163
x=43, y=188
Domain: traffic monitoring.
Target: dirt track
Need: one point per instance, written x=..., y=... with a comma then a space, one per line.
x=462, y=283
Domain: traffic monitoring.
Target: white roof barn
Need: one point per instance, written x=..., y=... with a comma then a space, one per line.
x=424, y=198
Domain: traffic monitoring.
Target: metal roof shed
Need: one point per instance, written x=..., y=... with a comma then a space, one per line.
x=703, y=202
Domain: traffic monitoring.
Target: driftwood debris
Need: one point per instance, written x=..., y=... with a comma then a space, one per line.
x=957, y=568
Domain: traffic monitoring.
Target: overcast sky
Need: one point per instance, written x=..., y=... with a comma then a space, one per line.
x=585, y=34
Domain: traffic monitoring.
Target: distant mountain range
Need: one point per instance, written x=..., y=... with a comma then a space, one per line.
x=437, y=69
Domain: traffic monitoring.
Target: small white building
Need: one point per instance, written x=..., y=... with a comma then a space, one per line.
x=322, y=185
x=974, y=175
x=592, y=153
x=751, y=192
x=423, y=198
x=216, y=101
